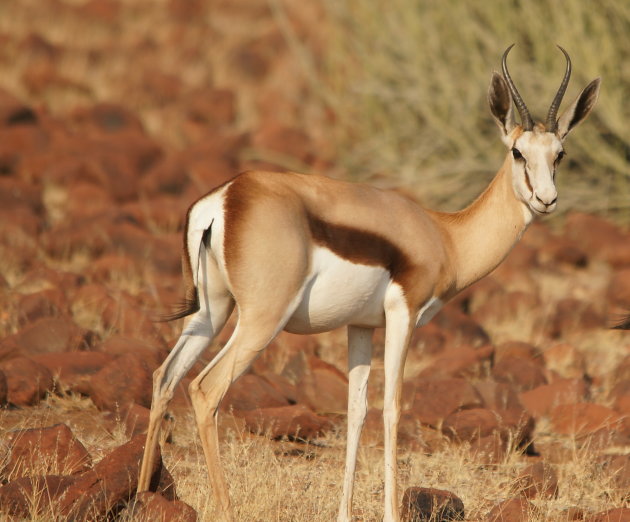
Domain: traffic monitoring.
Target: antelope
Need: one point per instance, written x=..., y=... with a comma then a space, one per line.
x=307, y=254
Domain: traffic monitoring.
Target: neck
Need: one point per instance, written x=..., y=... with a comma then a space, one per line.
x=482, y=235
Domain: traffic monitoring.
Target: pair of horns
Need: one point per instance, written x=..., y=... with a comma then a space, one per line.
x=526, y=120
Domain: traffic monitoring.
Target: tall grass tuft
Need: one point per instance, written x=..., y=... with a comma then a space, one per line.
x=407, y=82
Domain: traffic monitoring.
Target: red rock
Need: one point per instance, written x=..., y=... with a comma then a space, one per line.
x=44, y=451
x=430, y=339
x=572, y=315
x=541, y=400
x=214, y=107
x=523, y=374
x=518, y=349
x=251, y=392
x=330, y=394
x=52, y=334
x=283, y=386
x=112, y=481
x=460, y=361
x=565, y=360
x=435, y=400
x=538, y=480
x=152, y=352
x=565, y=251
x=15, y=112
x=27, y=381
x=497, y=395
x=431, y=504
x=516, y=509
x=4, y=390
x=618, y=468
x=509, y=306
x=73, y=370
x=619, y=288
x=601, y=238
x=292, y=422
x=125, y=380
x=28, y=496
x=136, y=420
x=490, y=449
x=288, y=141
x=106, y=117
x=45, y=303
x=153, y=506
x=468, y=425
x=516, y=425
x=582, y=418
x=612, y=515
x=464, y=327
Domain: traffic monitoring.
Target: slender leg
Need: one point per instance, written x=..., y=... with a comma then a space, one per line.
x=397, y=336
x=196, y=336
x=208, y=389
x=359, y=360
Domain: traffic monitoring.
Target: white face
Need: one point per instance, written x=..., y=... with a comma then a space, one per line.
x=535, y=155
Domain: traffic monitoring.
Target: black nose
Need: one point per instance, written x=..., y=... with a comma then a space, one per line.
x=547, y=204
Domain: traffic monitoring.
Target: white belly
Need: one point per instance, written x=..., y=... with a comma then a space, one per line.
x=338, y=293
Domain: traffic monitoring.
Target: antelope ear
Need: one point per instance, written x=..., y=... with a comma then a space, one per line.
x=501, y=104
x=579, y=109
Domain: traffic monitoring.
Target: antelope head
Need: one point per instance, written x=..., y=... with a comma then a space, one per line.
x=536, y=149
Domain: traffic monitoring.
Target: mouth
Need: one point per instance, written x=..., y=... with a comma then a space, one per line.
x=541, y=211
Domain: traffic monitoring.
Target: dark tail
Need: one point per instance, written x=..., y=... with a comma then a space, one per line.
x=190, y=303
x=623, y=324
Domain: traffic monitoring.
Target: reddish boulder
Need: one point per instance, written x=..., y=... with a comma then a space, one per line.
x=522, y=373
x=583, y=418
x=516, y=509
x=431, y=504
x=45, y=303
x=518, y=349
x=460, y=361
x=566, y=360
x=73, y=370
x=112, y=481
x=498, y=395
x=612, y=515
x=292, y=422
x=153, y=352
x=125, y=380
x=251, y=392
x=27, y=381
x=468, y=425
x=538, y=480
x=154, y=507
x=434, y=400
x=541, y=400
x=44, y=451
x=4, y=390
x=619, y=289
x=27, y=497
x=572, y=315
x=52, y=334
x=464, y=327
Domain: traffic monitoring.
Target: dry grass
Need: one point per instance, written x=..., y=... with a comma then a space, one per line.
x=408, y=81
x=282, y=481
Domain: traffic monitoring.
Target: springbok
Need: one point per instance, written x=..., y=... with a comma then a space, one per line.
x=308, y=254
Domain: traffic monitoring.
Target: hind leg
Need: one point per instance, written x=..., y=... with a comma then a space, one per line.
x=207, y=390
x=216, y=306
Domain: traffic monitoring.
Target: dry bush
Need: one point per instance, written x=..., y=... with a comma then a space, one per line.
x=407, y=81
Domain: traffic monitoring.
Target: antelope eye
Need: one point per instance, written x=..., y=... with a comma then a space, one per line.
x=517, y=154
x=560, y=155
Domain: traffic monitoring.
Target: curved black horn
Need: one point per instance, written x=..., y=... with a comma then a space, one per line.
x=552, y=121
x=526, y=119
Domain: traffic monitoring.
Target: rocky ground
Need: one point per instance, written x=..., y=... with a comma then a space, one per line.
x=519, y=375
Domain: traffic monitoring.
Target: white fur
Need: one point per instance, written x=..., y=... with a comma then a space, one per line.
x=428, y=311
x=339, y=292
